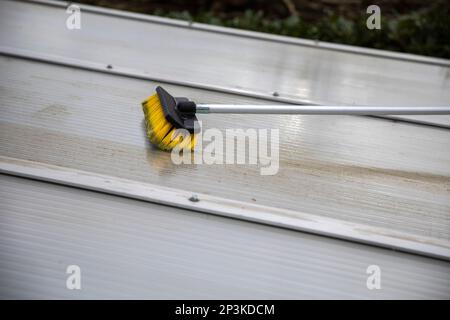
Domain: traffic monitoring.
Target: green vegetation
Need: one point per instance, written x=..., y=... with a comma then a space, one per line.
x=425, y=33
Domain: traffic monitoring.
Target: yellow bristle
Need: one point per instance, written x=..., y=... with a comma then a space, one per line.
x=161, y=132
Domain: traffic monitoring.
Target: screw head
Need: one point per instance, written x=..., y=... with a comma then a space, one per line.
x=194, y=198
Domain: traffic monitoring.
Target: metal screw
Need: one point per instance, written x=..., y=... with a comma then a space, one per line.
x=194, y=198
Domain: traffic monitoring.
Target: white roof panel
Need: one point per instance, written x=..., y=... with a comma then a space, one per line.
x=63, y=111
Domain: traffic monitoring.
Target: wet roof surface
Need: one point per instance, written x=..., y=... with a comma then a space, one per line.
x=59, y=107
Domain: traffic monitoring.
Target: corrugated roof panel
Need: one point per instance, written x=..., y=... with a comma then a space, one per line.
x=348, y=168
x=62, y=109
x=133, y=249
x=242, y=64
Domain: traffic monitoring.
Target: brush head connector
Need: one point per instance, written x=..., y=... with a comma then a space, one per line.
x=171, y=122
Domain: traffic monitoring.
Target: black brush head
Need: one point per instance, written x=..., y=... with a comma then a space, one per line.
x=179, y=111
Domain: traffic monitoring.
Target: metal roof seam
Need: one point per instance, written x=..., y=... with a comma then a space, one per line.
x=120, y=71
x=303, y=222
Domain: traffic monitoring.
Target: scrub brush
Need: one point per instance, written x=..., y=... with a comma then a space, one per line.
x=165, y=121
x=171, y=121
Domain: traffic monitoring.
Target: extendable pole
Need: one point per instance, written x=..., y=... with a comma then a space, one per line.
x=323, y=110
